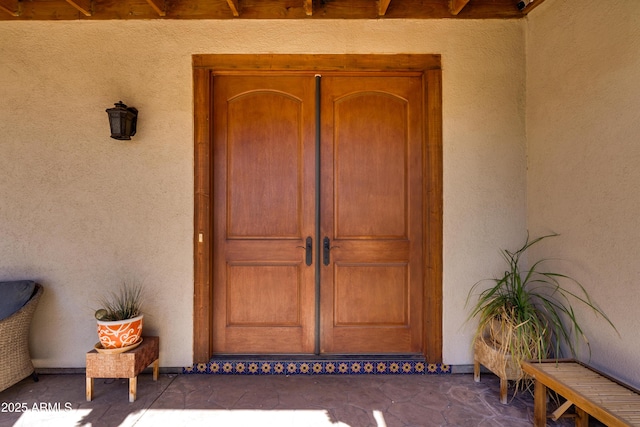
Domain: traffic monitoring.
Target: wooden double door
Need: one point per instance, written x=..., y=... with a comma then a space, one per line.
x=318, y=213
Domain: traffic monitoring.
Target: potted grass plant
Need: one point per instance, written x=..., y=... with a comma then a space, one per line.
x=120, y=318
x=527, y=313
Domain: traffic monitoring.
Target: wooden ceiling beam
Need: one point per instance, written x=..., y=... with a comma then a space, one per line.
x=234, y=5
x=383, y=5
x=12, y=7
x=160, y=6
x=84, y=6
x=455, y=6
x=308, y=7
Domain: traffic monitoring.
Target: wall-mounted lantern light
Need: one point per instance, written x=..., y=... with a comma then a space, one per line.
x=123, y=121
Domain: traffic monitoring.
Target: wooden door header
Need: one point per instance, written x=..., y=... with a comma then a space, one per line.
x=286, y=62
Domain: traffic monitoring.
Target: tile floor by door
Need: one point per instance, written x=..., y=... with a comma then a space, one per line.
x=267, y=400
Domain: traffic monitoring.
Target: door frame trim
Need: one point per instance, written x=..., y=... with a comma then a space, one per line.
x=205, y=66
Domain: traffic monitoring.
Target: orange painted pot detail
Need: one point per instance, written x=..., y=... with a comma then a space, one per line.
x=120, y=333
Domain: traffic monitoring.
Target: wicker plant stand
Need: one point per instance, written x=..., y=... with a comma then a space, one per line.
x=123, y=365
x=497, y=362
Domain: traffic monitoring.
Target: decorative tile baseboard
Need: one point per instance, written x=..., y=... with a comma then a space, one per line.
x=317, y=367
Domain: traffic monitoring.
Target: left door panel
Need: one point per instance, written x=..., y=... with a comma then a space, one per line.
x=263, y=211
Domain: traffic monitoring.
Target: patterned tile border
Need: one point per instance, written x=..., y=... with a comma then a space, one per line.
x=317, y=367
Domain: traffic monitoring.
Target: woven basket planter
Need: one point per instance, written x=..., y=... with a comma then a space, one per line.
x=496, y=361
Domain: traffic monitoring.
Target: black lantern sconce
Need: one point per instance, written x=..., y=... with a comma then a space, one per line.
x=123, y=121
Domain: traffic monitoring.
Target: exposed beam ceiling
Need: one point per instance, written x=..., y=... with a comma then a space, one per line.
x=261, y=9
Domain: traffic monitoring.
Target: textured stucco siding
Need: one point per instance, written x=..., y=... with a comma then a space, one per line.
x=80, y=212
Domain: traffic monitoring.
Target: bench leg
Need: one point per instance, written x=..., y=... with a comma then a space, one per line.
x=476, y=371
x=133, y=386
x=89, y=390
x=156, y=369
x=539, y=404
x=582, y=418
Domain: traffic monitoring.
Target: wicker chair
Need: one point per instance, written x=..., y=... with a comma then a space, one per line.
x=15, y=360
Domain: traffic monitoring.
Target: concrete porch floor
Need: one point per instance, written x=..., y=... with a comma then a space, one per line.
x=244, y=400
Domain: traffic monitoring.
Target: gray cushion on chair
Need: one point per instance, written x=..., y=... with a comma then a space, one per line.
x=13, y=295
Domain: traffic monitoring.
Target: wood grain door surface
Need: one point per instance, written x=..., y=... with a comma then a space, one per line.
x=371, y=210
x=369, y=198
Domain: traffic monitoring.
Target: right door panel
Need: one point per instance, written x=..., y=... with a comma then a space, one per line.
x=371, y=214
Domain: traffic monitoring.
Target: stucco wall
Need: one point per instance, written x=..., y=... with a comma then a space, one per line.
x=79, y=211
x=583, y=124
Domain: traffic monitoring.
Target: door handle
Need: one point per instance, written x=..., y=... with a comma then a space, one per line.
x=326, y=249
x=308, y=250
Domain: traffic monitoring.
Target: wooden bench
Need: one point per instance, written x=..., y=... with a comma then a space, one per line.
x=592, y=392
